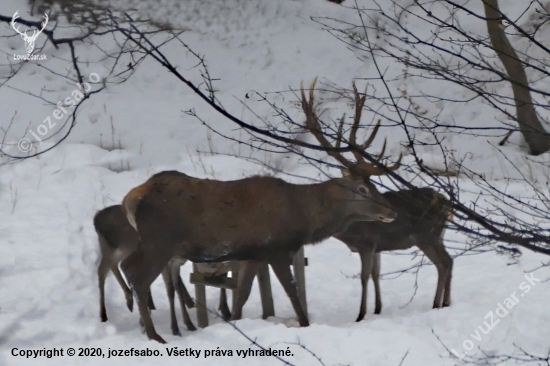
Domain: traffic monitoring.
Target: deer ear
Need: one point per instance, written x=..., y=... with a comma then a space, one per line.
x=345, y=173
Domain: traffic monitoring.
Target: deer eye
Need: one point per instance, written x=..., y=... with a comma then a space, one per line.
x=363, y=190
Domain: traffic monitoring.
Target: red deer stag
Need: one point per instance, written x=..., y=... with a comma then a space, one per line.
x=421, y=214
x=117, y=239
x=256, y=218
x=249, y=269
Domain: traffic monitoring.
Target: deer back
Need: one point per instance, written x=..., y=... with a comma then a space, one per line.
x=114, y=231
x=209, y=220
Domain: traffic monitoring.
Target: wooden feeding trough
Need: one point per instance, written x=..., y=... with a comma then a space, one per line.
x=216, y=275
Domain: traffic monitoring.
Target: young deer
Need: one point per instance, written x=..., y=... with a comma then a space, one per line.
x=421, y=217
x=117, y=239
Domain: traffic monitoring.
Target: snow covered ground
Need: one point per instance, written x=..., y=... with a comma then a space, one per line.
x=49, y=251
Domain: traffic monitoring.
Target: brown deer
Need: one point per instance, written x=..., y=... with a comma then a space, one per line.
x=251, y=219
x=117, y=239
x=421, y=213
x=421, y=217
x=361, y=168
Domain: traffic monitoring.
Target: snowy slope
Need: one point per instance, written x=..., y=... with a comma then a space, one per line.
x=48, y=247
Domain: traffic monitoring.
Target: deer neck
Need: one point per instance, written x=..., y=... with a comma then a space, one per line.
x=323, y=212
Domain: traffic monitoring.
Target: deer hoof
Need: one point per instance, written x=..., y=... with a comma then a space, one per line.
x=156, y=337
x=130, y=304
x=226, y=314
x=303, y=322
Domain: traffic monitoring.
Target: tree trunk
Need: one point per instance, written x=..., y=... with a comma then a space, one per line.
x=529, y=124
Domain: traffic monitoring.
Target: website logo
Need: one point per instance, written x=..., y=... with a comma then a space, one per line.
x=29, y=39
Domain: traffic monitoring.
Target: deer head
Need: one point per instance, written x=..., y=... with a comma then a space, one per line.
x=29, y=40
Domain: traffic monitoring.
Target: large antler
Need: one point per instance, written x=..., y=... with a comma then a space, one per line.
x=361, y=167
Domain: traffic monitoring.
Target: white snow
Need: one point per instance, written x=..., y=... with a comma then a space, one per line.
x=48, y=246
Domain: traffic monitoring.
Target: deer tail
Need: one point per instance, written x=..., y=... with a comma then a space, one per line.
x=131, y=201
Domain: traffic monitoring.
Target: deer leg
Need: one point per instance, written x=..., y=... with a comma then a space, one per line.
x=183, y=295
x=447, y=295
x=141, y=268
x=366, y=255
x=444, y=264
x=281, y=267
x=247, y=272
x=264, y=283
x=186, y=318
x=150, y=302
x=170, y=291
x=182, y=291
x=449, y=265
x=180, y=287
x=376, y=280
x=102, y=272
x=124, y=286
x=223, y=307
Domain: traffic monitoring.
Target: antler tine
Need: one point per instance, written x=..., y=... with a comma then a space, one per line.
x=381, y=155
x=359, y=104
x=396, y=165
x=307, y=106
x=363, y=167
x=369, y=141
x=339, y=133
x=312, y=124
x=371, y=169
x=312, y=93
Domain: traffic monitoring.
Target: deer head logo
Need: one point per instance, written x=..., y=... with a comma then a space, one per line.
x=29, y=40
